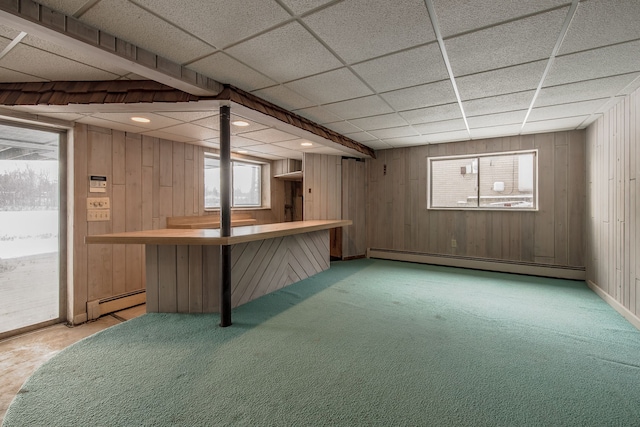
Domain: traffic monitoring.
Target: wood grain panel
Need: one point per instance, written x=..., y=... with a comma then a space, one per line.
x=148, y=180
x=612, y=204
x=398, y=219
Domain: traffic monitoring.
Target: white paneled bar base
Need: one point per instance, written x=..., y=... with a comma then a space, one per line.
x=183, y=266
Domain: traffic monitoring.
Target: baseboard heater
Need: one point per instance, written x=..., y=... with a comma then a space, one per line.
x=503, y=266
x=100, y=307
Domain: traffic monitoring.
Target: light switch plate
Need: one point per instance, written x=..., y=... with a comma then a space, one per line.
x=98, y=215
x=98, y=203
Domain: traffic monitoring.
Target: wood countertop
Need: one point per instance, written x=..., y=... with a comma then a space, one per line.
x=212, y=236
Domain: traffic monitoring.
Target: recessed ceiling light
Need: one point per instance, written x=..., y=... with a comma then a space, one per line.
x=242, y=151
x=240, y=123
x=306, y=144
x=140, y=119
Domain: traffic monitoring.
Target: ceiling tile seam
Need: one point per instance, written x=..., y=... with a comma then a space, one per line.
x=26, y=74
x=591, y=49
x=507, y=21
x=554, y=52
x=594, y=80
x=445, y=57
x=173, y=24
x=13, y=44
x=349, y=67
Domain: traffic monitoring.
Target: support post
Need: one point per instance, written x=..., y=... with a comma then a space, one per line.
x=225, y=215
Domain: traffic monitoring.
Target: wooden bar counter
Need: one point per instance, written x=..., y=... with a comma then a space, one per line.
x=183, y=265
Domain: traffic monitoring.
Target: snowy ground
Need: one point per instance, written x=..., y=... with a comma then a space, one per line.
x=29, y=283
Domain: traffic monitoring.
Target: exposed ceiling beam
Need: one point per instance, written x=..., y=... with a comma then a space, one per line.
x=46, y=23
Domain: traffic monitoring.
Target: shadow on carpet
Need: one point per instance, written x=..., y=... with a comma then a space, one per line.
x=364, y=343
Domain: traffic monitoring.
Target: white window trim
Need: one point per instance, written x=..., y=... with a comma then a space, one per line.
x=485, y=208
x=264, y=184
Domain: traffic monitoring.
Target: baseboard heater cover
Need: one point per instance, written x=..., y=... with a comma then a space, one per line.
x=100, y=307
x=503, y=266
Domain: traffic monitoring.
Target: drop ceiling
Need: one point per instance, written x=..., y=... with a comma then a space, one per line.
x=386, y=74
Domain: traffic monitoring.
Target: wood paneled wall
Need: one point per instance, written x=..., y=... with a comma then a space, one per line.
x=322, y=178
x=354, y=194
x=613, y=205
x=149, y=179
x=398, y=219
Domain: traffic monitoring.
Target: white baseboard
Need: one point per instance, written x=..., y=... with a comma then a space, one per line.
x=481, y=264
x=624, y=312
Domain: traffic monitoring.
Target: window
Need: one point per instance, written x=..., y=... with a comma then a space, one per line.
x=504, y=181
x=246, y=183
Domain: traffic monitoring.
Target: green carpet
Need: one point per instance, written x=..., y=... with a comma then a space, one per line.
x=365, y=343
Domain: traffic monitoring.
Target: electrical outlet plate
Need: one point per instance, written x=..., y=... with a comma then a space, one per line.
x=98, y=215
x=454, y=243
x=98, y=203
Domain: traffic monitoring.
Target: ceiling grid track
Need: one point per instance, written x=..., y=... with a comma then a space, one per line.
x=436, y=28
x=554, y=52
x=13, y=44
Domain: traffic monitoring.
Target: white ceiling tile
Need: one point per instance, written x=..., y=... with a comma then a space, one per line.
x=379, y=145
x=294, y=144
x=593, y=64
x=499, y=119
x=407, y=141
x=239, y=141
x=631, y=87
x=16, y=76
x=6, y=35
x=361, y=107
x=189, y=130
x=318, y=114
x=432, y=114
x=131, y=23
x=398, y=132
x=325, y=150
x=566, y=110
x=354, y=30
x=73, y=54
x=108, y=124
x=271, y=53
x=299, y=7
x=600, y=23
x=379, y=122
x=499, y=82
x=496, y=131
x=581, y=91
x=157, y=121
x=342, y=127
x=421, y=96
x=458, y=16
x=408, y=68
x=50, y=66
x=190, y=116
x=217, y=22
x=239, y=130
x=440, y=127
x=270, y=149
x=498, y=104
x=70, y=117
x=507, y=44
x=284, y=97
x=554, y=125
x=225, y=69
x=363, y=137
x=437, y=138
x=269, y=135
x=332, y=86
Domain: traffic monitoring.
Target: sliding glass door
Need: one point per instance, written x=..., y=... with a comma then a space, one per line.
x=29, y=227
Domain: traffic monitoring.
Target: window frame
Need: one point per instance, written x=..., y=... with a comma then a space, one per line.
x=478, y=156
x=262, y=165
